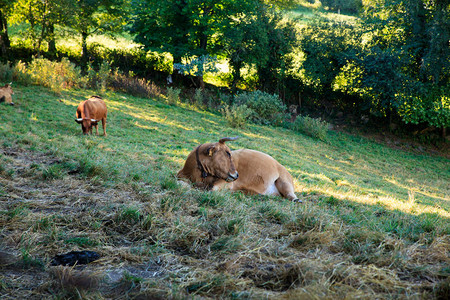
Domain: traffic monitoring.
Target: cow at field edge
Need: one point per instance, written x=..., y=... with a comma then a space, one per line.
x=213, y=166
x=6, y=93
x=90, y=112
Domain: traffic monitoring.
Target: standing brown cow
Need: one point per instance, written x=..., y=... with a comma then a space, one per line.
x=5, y=94
x=90, y=112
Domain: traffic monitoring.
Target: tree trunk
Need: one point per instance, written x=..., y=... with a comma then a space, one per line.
x=84, y=50
x=51, y=40
x=236, y=66
x=201, y=83
x=4, y=38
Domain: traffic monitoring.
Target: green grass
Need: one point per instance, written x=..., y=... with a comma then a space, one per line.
x=375, y=220
x=306, y=12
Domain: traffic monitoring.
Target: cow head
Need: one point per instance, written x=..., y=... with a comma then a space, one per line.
x=215, y=159
x=86, y=124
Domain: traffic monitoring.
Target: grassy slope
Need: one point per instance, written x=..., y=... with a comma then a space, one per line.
x=375, y=220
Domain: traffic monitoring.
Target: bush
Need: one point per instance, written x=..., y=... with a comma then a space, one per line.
x=312, y=127
x=173, y=95
x=265, y=108
x=198, y=97
x=236, y=115
x=103, y=75
x=6, y=73
x=52, y=74
x=135, y=86
x=9, y=73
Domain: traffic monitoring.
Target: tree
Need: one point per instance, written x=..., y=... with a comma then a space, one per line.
x=181, y=27
x=422, y=33
x=185, y=28
x=281, y=37
x=42, y=16
x=92, y=16
x=84, y=16
x=246, y=42
x=5, y=9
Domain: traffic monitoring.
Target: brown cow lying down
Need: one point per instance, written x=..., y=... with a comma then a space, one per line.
x=90, y=112
x=213, y=166
x=5, y=94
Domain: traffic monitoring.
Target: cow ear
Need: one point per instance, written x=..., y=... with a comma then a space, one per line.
x=210, y=151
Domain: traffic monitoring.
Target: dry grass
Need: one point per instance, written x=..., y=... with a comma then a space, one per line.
x=156, y=246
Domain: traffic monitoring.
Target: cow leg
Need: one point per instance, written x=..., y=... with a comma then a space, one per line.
x=104, y=126
x=96, y=129
x=286, y=189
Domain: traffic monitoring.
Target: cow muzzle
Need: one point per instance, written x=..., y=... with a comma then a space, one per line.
x=232, y=177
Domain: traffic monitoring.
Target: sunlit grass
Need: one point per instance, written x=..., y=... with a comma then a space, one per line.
x=307, y=12
x=343, y=166
x=366, y=207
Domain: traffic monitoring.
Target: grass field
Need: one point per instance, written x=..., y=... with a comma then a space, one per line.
x=374, y=222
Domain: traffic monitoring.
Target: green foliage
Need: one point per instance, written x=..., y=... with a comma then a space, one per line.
x=199, y=97
x=432, y=107
x=55, y=75
x=326, y=46
x=15, y=73
x=6, y=72
x=184, y=29
x=173, y=95
x=313, y=127
x=379, y=61
x=126, y=59
x=236, y=115
x=265, y=108
x=104, y=74
x=281, y=41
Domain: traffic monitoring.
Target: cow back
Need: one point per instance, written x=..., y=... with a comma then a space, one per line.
x=93, y=108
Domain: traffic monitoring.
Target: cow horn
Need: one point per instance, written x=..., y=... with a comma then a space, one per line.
x=94, y=120
x=79, y=119
x=226, y=139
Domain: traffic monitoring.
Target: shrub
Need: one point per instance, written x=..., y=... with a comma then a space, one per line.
x=9, y=73
x=103, y=75
x=266, y=108
x=134, y=86
x=198, y=97
x=236, y=115
x=173, y=95
x=311, y=126
x=6, y=73
x=52, y=74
